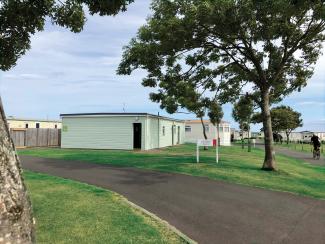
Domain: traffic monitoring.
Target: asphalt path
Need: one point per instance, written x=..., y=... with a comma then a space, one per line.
x=307, y=157
x=207, y=211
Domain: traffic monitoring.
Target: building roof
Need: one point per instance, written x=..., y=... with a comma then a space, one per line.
x=35, y=120
x=118, y=114
x=198, y=121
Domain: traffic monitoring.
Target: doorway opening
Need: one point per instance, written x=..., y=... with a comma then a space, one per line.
x=178, y=134
x=136, y=135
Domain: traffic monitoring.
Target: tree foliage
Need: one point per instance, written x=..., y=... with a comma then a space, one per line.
x=20, y=19
x=221, y=46
x=284, y=119
x=243, y=111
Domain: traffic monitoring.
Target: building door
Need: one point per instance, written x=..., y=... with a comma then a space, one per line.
x=178, y=134
x=172, y=135
x=137, y=135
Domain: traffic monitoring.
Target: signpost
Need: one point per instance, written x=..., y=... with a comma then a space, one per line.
x=206, y=143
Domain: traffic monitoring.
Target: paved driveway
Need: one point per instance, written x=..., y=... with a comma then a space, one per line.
x=208, y=211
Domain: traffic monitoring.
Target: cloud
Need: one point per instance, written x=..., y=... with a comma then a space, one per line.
x=314, y=125
x=313, y=103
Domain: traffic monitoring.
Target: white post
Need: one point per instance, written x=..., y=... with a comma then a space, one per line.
x=217, y=144
x=197, y=153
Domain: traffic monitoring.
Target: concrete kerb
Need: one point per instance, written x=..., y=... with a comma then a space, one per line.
x=164, y=222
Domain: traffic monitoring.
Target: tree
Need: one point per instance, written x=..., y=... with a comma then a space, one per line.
x=284, y=119
x=271, y=45
x=189, y=97
x=242, y=113
x=19, y=20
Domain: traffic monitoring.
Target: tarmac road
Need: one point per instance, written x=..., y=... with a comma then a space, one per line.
x=207, y=211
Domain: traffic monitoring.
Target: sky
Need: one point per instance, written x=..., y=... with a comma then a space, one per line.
x=65, y=72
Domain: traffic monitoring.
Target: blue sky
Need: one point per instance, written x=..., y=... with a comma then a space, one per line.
x=69, y=73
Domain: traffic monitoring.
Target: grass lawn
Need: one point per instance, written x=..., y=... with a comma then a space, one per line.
x=70, y=212
x=236, y=165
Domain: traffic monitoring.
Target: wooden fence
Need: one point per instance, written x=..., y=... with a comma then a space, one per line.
x=36, y=137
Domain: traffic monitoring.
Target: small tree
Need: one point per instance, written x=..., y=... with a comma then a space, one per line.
x=189, y=97
x=215, y=114
x=270, y=44
x=285, y=119
x=242, y=113
x=19, y=20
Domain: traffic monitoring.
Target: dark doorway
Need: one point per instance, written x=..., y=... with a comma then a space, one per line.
x=178, y=134
x=137, y=135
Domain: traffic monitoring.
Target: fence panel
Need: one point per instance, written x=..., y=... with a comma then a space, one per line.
x=42, y=138
x=18, y=137
x=32, y=137
x=54, y=138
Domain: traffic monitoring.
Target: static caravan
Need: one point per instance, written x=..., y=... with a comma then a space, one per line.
x=24, y=123
x=194, y=131
x=126, y=131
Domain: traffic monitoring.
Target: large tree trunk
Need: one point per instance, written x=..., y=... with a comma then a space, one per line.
x=269, y=160
x=204, y=132
x=16, y=223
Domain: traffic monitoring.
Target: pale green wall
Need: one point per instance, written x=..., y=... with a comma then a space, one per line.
x=164, y=140
x=116, y=132
x=100, y=132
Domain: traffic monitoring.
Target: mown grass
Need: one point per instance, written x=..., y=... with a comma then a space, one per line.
x=70, y=212
x=236, y=165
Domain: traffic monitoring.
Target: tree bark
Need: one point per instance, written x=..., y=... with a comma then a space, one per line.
x=288, y=134
x=16, y=223
x=218, y=135
x=269, y=160
x=204, y=132
x=242, y=139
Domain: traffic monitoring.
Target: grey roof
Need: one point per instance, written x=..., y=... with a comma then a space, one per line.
x=31, y=119
x=119, y=114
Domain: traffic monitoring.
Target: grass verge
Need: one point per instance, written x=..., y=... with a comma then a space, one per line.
x=71, y=212
x=236, y=165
